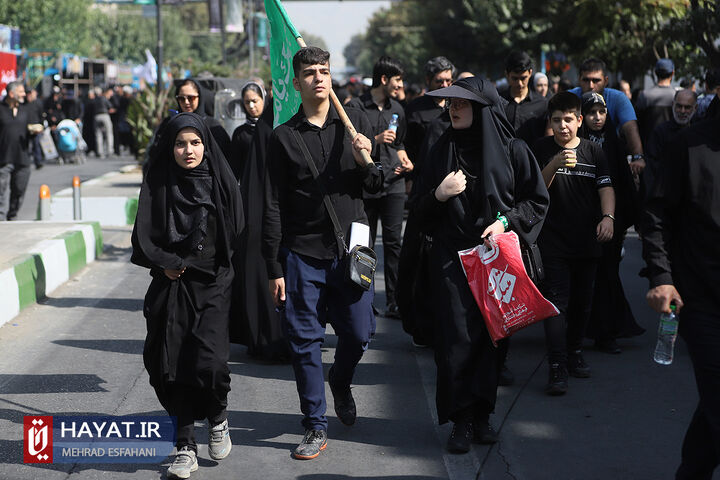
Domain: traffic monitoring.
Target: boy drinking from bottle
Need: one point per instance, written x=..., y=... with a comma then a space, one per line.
x=580, y=217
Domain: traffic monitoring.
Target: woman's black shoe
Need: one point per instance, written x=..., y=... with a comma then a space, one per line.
x=460, y=437
x=484, y=433
x=557, y=380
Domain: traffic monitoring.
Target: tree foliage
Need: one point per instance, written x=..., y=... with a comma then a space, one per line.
x=123, y=34
x=477, y=35
x=51, y=25
x=629, y=35
x=313, y=40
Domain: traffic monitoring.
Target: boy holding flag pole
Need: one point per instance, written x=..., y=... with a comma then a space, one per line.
x=305, y=258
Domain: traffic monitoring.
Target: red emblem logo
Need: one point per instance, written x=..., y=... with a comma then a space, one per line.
x=37, y=439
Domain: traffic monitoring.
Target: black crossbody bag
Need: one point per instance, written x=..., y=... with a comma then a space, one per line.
x=360, y=261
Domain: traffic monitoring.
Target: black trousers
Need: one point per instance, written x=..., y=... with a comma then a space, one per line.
x=701, y=448
x=569, y=285
x=467, y=361
x=185, y=401
x=389, y=210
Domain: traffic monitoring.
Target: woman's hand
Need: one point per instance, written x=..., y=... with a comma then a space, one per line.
x=174, y=274
x=453, y=184
x=493, y=229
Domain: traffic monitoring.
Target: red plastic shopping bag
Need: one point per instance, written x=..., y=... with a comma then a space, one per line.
x=507, y=298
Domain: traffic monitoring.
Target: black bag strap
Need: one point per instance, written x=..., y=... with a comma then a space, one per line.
x=339, y=235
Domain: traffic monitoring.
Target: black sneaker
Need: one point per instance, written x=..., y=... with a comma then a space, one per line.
x=577, y=366
x=344, y=402
x=608, y=346
x=312, y=444
x=484, y=433
x=344, y=405
x=557, y=380
x=392, y=311
x=506, y=377
x=460, y=437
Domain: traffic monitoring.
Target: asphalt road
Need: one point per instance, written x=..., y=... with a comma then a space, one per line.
x=80, y=352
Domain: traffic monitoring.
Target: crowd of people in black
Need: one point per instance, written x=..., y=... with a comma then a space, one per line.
x=248, y=235
x=74, y=127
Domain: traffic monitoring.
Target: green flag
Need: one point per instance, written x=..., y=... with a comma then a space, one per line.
x=283, y=45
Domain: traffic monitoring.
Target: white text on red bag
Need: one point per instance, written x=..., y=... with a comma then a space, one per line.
x=506, y=296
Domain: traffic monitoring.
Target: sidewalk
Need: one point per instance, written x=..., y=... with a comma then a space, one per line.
x=41, y=256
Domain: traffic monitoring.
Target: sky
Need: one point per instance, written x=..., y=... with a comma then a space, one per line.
x=334, y=21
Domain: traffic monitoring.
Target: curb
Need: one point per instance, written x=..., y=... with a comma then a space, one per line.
x=108, y=211
x=48, y=265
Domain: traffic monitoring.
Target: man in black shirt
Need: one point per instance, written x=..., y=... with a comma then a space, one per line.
x=14, y=159
x=104, y=137
x=304, y=259
x=439, y=73
x=683, y=108
x=526, y=109
x=380, y=106
x=581, y=214
x=681, y=245
x=35, y=117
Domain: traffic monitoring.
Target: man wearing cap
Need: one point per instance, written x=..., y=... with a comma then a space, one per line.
x=654, y=105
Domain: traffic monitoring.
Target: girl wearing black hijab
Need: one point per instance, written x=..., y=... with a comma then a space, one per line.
x=253, y=104
x=188, y=223
x=192, y=98
x=478, y=181
x=611, y=316
x=256, y=323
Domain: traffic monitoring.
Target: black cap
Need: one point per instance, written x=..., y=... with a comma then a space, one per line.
x=664, y=66
x=591, y=98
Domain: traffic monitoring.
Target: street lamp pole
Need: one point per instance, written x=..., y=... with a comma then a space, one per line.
x=222, y=34
x=251, y=36
x=159, y=48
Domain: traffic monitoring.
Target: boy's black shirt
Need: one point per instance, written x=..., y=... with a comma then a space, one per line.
x=528, y=117
x=384, y=154
x=571, y=222
x=295, y=216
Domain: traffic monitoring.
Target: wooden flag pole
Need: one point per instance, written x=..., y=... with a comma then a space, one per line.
x=341, y=111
